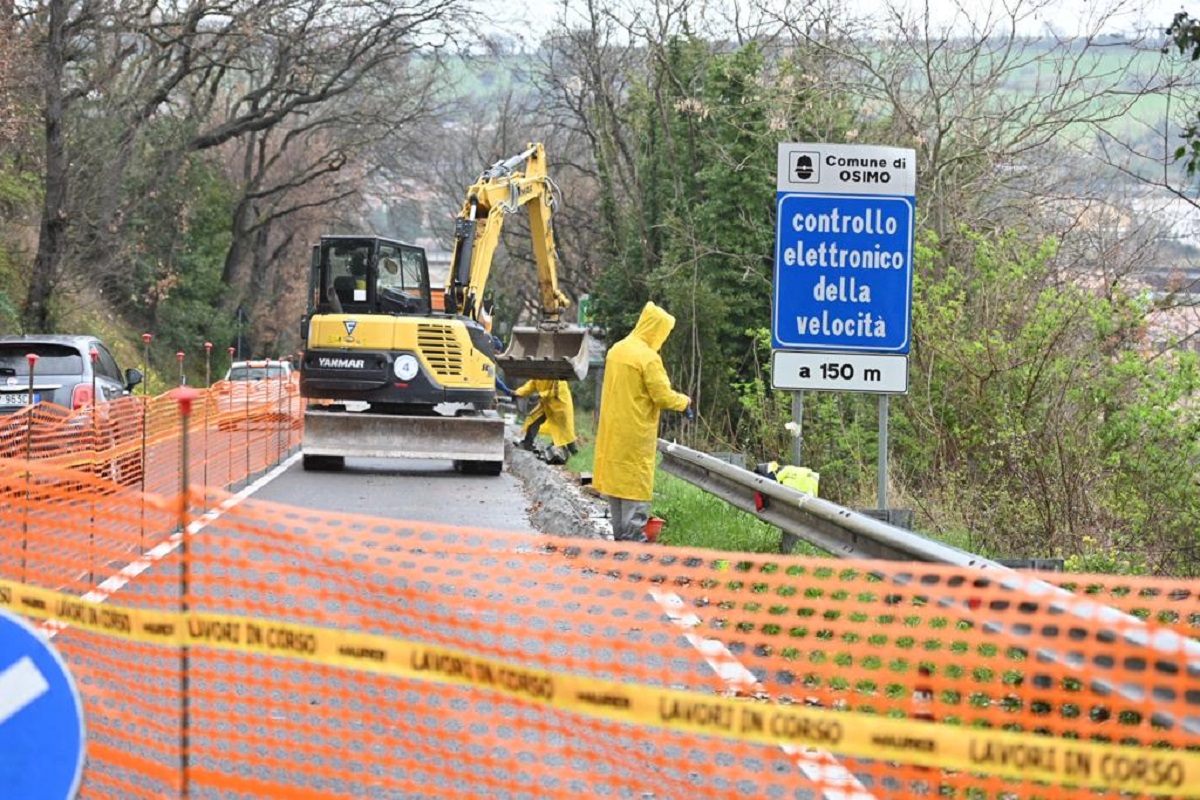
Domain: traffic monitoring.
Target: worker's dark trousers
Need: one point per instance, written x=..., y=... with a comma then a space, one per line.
x=532, y=425
x=629, y=517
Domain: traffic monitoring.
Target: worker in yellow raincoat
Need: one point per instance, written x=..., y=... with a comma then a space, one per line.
x=636, y=389
x=554, y=413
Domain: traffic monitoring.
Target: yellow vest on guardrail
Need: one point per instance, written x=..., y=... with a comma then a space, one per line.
x=802, y=479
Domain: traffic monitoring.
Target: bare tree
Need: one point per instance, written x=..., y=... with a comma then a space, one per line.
x=205, y=75
x=982, y=95
x=15, y=76
x=52, y=235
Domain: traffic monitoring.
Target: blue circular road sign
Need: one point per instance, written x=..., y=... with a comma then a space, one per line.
x=41, y=717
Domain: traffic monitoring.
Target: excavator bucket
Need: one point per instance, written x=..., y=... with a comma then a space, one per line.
x=549, y=354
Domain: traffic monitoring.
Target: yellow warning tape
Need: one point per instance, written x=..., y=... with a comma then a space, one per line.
x=1008, y=754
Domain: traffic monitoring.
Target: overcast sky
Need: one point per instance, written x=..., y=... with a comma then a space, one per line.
x=1065, y=17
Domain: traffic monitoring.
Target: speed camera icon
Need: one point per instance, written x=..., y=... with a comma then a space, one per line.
x=805, y=167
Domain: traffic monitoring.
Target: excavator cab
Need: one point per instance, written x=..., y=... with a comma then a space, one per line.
x=369, y=275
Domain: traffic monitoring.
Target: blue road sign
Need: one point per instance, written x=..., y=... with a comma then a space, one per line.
x=843, y=250
x=843, y=273
x=41, y=717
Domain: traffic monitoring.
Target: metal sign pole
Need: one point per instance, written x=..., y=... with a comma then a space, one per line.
x=883, y=450
x=798, y=418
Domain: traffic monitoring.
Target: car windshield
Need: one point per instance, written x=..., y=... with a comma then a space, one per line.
x=256, y=373
x=53, y=359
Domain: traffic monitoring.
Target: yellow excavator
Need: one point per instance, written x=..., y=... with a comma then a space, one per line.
x=388, y=375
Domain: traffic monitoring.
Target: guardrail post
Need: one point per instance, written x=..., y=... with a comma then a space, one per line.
x=185, y=397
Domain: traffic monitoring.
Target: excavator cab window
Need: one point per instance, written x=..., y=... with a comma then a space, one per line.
x=403, y=286
x=314, y=281
x=349, y=276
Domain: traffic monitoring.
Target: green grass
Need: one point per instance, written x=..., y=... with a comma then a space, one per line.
x=694, y=518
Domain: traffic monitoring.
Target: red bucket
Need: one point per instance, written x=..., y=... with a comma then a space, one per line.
x=652, y=528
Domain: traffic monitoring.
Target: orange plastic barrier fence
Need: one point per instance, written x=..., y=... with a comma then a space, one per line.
x=271, y=651
x=238, y=429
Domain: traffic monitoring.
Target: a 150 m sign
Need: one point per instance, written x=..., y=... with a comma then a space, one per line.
x=839, y=372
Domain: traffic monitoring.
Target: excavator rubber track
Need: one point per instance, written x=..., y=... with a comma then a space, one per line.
x=557, y=354
x=475, y=443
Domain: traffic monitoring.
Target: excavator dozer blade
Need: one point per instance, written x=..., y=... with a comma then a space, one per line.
x=548, y=354
x=367, y=435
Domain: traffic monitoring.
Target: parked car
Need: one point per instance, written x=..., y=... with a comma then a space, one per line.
x=64, y=373
x=258, y=370
x=256, y=391
x=86, y=412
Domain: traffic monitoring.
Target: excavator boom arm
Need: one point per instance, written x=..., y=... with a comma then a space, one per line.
x=516, y=182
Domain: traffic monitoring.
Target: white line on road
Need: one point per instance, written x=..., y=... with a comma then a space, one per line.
x=836, y=782
x=114, y=583
x=20, y=685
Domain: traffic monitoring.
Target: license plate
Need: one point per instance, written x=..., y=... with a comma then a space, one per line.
x=7, y=399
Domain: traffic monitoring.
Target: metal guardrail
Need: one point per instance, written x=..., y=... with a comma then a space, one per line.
x=802, y=517
x=848, y=534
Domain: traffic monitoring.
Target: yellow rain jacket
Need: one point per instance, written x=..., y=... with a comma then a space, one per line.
x=636, y=389
x=556, y=403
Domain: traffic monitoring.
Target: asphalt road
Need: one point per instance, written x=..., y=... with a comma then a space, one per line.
x=429, y=491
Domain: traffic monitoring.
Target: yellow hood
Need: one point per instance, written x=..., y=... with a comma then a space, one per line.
x=654, y=326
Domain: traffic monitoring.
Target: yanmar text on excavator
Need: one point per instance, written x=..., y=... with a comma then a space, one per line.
x=387, y=376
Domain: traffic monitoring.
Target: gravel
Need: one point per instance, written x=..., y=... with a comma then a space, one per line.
x=558, y=504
